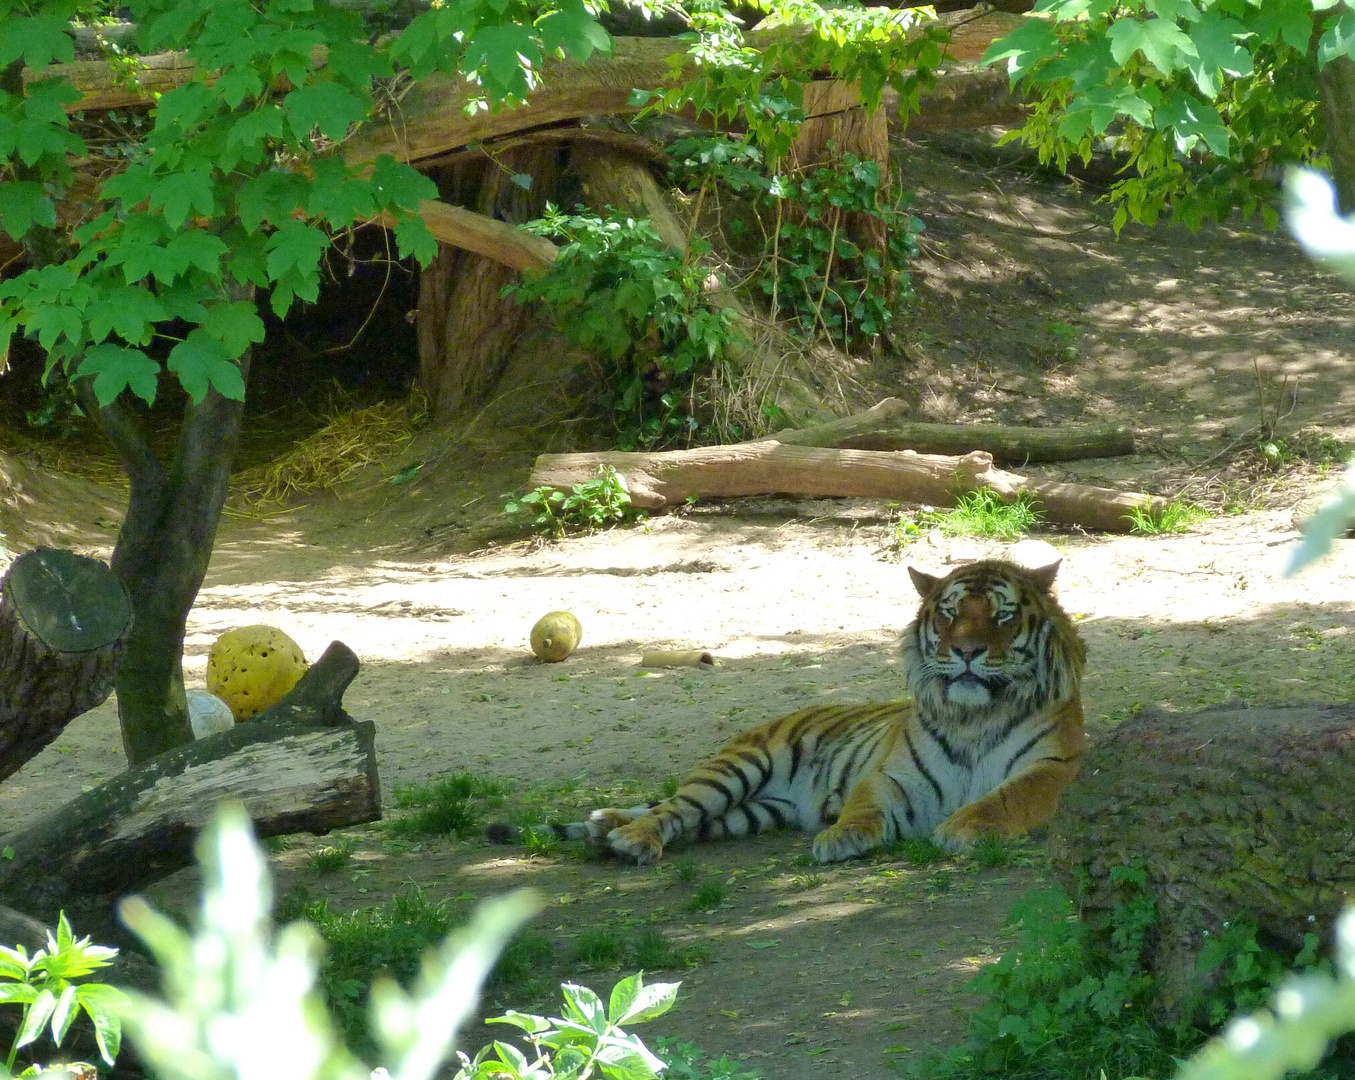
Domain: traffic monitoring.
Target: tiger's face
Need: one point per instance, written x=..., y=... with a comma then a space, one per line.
x=989, y=636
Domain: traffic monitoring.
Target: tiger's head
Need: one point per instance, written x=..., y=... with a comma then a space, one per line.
x=990, y=642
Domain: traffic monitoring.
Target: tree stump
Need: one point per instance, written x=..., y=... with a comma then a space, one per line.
x=1235, y=814
x=63, y=623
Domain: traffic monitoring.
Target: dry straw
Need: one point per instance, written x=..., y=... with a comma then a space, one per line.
x=348, y=443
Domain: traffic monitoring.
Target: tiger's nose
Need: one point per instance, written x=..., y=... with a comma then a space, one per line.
x=969, y=652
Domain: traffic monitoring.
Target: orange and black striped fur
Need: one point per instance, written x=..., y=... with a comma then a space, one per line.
x=992, y=737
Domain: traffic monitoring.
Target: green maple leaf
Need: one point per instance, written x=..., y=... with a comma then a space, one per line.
x=295, y=248
x=1192, y=120
x=1161, y=41
x=39, y=39
x=127, y=309
x=1338, y=39
x=192, y=248
x=574, y=30
x=116, y=368
x=202, y=362
x=500, y=54
x=1288, y=20
x=337, y=196
x=1217, y=50
x=237, y=325
x=53, y=321
x=24, y=203
x=1031, y=42
x=181, y=193
x=400, y=186
x=413, y=238
x=328, y=105
x=271, y=197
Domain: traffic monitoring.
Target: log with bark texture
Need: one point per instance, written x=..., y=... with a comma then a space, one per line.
x=63, y=622
x=883, y=427
x=301, y=766
x=1235, y=814
x=765, y=468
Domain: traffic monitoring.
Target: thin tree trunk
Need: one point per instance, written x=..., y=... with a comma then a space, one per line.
x=162, y=553
x=1336, y=81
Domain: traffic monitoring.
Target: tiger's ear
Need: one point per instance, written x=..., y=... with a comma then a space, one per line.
x=1046, y=574
x=923, y=582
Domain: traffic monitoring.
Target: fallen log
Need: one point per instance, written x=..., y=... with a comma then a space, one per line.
x=63, y=623
x=302, y=766
x=882, y=427
x=769, y=467
x=1233, y=815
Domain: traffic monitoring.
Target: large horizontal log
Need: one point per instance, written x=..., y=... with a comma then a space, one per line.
x=663, y=479
x=301, y=766
x=883, y=427
x=1235, y=815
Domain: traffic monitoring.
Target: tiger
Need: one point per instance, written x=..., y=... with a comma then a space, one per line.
x=992, y=736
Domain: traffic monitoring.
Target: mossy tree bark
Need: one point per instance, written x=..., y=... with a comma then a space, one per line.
x=63, y=622
x=1337, y=84
x=162, y=551
x=1234, y=814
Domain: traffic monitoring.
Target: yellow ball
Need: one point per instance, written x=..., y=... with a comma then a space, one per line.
x=555, y=635
x=252, y=668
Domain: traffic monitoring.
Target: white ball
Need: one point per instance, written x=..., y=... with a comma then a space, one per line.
x=208, y=714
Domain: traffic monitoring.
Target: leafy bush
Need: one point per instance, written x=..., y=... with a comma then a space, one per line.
x=619, y=290
x=590, y=506
x=1060, y=1004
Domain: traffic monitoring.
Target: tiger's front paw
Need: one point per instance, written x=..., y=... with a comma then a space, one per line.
x=969, y=824
x=640, y=840
x=846, y=841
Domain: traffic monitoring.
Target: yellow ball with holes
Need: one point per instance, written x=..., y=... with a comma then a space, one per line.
x=252, y=668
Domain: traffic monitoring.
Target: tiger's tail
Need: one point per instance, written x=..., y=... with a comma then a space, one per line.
x=594, y=830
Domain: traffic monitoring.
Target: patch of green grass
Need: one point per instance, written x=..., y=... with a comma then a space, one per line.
x=685, y=870
x=1177, y=517
x=600, y=946
x=275, y=845
x=709, y=896
x=977, y=513
x=917, y=851
x=522, y=962
x=652, y=951
x=991, y=852
x=331, y=857
x=452, y=806
x=687, y=1062
x=540, y=841
x=364, y=943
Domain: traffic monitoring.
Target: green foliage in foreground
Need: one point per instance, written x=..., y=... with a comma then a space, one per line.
x=1060, y=1005
x=45, y=987
x=589, y=507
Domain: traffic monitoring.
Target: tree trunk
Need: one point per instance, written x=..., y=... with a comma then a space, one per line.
x=63, y=623
x=301, y=766
x=467, y=330
x=765, y=468
x=1235, y=814
x=882, y=427
x=1336, y=82
x=162, y=552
